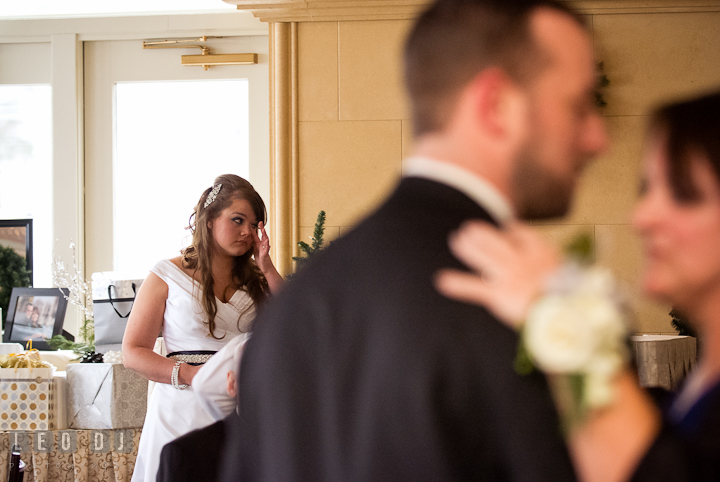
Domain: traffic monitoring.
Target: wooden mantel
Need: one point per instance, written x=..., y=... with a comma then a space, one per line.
x=338, y=10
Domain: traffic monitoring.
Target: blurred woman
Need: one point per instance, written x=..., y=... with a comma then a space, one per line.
x=678, y=220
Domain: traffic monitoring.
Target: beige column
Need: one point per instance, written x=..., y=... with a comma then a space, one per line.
x=68, y=172
x=283, y=143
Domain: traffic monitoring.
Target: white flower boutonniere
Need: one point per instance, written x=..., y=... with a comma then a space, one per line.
x=577, y=334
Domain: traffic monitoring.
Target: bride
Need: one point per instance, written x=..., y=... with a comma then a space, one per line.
x=200, y=300
x=678, y=219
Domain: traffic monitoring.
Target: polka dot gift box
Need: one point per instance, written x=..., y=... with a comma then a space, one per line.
x=27, y=399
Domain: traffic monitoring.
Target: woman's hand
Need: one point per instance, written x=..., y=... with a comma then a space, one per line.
x=261, y=247
x=511, y=267
x=186, y=373
x=261, y=252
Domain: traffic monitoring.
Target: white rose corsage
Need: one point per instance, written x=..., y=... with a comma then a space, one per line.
x=577, y=334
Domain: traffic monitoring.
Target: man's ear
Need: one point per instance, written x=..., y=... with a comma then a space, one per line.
x=231, y=384
x=499, y=104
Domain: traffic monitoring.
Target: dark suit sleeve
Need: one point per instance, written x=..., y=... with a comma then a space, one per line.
x=665, y=460
x=171, y=461
x=194, y=457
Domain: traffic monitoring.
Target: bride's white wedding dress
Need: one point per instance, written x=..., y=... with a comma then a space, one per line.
x=171, y=412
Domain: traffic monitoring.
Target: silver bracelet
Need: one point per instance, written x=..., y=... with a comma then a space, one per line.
x=174, y=376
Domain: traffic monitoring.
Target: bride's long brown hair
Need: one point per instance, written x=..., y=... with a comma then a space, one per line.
x=198, y=256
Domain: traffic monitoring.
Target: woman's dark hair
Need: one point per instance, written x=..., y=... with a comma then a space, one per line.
x=198, y=256
x=689, y=128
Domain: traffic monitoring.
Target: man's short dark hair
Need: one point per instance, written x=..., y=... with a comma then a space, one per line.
x=453, y=40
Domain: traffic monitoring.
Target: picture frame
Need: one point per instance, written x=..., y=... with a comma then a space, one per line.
x=35, y=314
x=18, y=234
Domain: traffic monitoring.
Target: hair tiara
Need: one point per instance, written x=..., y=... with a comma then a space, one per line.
x=213, y=194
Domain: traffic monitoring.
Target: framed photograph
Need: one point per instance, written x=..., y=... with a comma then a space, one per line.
x=35, y=314
x=18, y=235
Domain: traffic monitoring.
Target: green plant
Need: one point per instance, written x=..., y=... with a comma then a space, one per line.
x=602, y=82
x=87, y=335
x=317, y=241
x=13, y=274
x=581, y=249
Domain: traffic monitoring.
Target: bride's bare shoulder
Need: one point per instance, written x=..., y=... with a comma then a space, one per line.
x=178, y=262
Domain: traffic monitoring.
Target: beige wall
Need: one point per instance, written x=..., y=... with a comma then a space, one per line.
x=352, y=118
x=354, y=128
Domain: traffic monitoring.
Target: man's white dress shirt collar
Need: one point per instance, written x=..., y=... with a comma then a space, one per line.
x=470, y=184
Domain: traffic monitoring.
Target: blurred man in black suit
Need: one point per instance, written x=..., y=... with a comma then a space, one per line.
x=359, y=370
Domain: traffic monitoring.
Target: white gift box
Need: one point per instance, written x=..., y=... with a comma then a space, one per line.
x=105, y=396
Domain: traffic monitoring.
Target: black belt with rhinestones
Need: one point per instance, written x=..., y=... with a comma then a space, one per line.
x=196, y=357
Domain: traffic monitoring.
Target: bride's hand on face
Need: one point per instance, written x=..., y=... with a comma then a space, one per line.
x=510, y=268
x=261, y=247
x=261, y=252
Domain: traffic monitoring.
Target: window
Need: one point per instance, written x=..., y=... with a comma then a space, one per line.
x=26, y=167
x=171, y=140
